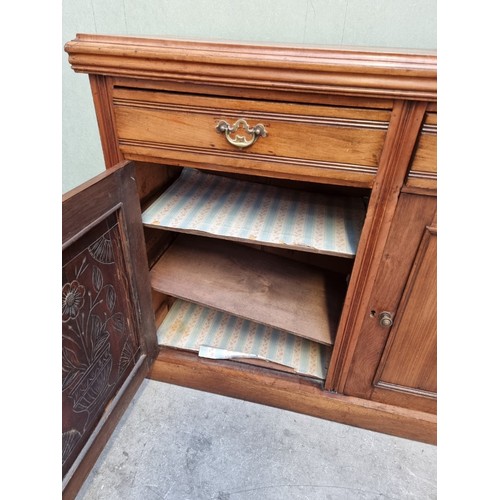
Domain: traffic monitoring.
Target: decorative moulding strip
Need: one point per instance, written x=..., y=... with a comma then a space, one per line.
x=417, y=174
x=94, y=223
x=339, y=122
x=255, y=93
x=407, y=390
x=429, y=129
x=382, y=72
x=265, y=158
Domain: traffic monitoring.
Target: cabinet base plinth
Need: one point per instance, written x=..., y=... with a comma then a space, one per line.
x=290, y=392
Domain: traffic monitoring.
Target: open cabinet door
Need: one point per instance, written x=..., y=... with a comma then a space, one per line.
x=108, y=330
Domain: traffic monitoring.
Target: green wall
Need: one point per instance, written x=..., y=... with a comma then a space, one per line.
x=376, y=23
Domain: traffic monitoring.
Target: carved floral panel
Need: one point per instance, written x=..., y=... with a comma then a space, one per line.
x=99, y=341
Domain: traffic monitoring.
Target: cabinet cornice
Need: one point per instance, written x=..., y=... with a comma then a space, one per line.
x=384, y=73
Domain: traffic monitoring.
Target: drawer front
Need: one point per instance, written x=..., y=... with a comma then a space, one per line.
x=324, y=143
x=423, y=170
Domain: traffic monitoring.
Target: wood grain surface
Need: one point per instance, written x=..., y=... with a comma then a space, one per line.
x=262, y=287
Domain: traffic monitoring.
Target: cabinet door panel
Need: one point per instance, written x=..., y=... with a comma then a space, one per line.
x=108, y=333
x=397, y=364
x=408, y=365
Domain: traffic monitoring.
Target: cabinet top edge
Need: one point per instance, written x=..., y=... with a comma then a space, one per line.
x=231, y=45
x=398, y=73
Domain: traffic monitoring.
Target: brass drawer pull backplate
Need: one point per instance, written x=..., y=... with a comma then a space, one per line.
x=241, y=141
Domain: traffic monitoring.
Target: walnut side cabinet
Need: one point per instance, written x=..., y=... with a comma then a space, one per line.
x=273, y=203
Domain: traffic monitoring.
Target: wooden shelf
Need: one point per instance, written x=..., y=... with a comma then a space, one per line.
x=251, y=284
x=188, y=326
x=217, y=206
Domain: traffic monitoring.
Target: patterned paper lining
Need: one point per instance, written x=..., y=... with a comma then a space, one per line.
x=187, y=326
x=248, y=211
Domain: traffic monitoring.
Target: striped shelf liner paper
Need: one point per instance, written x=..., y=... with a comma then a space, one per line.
x=218, y=206
x=188, y=326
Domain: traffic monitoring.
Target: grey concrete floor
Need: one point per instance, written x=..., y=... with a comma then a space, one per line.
x=175, y=443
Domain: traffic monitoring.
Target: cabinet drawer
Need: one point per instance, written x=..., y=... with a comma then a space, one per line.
x=324, y=143
x=423, y=170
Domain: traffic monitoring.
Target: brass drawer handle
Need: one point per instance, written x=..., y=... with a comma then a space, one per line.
x=241, y=141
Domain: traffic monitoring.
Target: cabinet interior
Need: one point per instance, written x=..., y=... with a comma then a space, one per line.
x=249, y=268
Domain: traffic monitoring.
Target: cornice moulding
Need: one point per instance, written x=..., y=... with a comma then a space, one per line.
x=384, y=73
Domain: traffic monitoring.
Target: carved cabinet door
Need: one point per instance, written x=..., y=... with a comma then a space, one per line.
x=395, y=357
x=108, y=332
